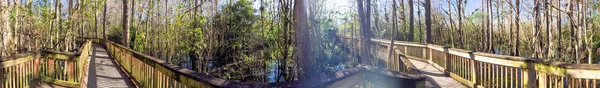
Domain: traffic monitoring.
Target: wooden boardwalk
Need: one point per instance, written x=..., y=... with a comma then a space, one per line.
x=435, y=77
x=104, y=71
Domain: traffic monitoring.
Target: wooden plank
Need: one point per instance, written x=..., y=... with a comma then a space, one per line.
x=586, y=74
x=57, y=56
x=461, y=80
x=70, y=71
x=59, y=82
x=2, y=81
x=17, y=61
x=550, y=69
x=11, y=74
x=474, y=72
x=19, y=74
x=36, y=66
x=503, y=62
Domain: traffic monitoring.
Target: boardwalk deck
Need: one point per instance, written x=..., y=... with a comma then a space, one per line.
x=104, y=71
x=435, y=77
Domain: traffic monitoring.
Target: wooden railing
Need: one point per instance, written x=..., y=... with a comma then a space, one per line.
x=19, y=71
x=398, y=61
x=476, y=69
x=59, y=68
x=147, y=71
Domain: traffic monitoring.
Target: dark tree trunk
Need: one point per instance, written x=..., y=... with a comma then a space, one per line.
x=104, y=21
x=516, y=47
x=303, y=40
x=411, y=21
x=365, y=30
x=125, y=24
x=428, y=21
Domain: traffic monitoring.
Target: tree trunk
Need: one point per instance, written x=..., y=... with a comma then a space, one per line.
x=516, y=47
x=548, y=30
x=572, y=23
x=535, y=31
x=483, y=43
x=559, y=26
x=364, y=30
x=104, y=21
x=587, y=43
x=411, y=21
x=428, y=21
x=419, y=23
x=451, y=24
x=125, y=24
x=460, y=20
x=132, y=21
x=393, y=32
x=3, y=25
x=303, y=40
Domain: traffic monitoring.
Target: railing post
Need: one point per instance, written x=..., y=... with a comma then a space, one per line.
x=424, y=53
x=50, y=73
x=70, y=70
x=2, y=77
x=529, y=78
x=474, y=71
x=405, y=50
x=36, y=67
x=429, y=55
x=446, y=58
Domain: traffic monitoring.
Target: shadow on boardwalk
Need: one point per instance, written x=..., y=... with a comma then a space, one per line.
x=104, y=71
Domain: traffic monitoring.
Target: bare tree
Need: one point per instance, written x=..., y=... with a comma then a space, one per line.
x=364, y=10
x=451, y=23
x=411, y=21
x=303, y=41
x=548, y=30
x=535, y=31
x=559, y=32
x=104, y=21
x=428, y=21
x=516, y=47
x=460, y=11
x=125, y=24
x=394, y=28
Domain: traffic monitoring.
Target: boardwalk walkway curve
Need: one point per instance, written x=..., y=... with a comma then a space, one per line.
x=107, y=64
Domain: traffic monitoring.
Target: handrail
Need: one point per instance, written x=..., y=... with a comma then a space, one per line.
x=60, y=68
x=148, y=71
x=477, y=69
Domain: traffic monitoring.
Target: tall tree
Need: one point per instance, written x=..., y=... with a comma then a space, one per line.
x=451, y=23
x=460, y=11
x=364, y=10
x=587, y=41
x=3, y=25
x=559, y=32
x=428, y=21
x=517, y=29
x=303, y=41
x=411, y=21
x=572, y=23
x=125, y=24
x=548, y=30
x=104, y=21
x=536, y=29
x=132, y=12
x=394, y=28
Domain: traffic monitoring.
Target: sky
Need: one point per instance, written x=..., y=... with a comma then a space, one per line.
x=343, y=5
